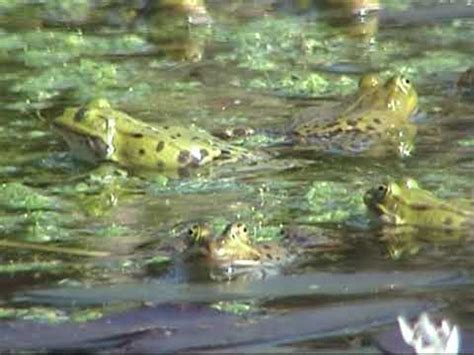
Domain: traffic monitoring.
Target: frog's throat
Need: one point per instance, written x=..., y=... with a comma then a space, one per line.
x=109, y=135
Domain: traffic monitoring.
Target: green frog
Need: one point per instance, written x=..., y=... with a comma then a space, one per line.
x=235, y=247
x=406, y=203
x=375, y=122
x=96, y=132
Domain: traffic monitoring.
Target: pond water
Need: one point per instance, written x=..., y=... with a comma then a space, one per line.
x=79, y=241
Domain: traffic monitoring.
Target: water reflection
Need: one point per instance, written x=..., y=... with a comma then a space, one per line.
x=248, y=48
x=173, y=27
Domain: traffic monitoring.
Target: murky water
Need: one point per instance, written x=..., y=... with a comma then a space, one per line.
x=257, y=64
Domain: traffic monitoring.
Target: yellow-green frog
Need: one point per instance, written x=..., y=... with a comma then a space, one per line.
x=375, y=122
x=96, y=132
x=405, y=203
x=234, y=246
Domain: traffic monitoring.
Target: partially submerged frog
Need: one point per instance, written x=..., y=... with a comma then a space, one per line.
x=234, y=250
x=406, y=203
x=374, y=122
x=96, y=132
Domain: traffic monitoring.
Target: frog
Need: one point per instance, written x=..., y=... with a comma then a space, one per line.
x=406, y=203
x=235, y=252
x=96, y=133
x=375, y=122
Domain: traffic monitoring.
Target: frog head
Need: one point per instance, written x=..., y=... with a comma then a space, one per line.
x=400, y=203
x=400, y=95
x=236, y=231
x=397, y=94
x=234, y=243
x=88, y=130
x=382, y=201
x=198, y=234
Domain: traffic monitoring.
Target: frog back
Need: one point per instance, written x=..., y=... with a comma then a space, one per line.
x=442, y=215
x=369, y=132
x=167, y=147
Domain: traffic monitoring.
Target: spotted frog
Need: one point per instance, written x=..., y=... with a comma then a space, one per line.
x=375, y=122
x=234, y=247
x=96, y=132
x=405, y=203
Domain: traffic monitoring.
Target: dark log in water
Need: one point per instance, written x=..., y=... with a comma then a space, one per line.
x=197, y=327
x=278, y=286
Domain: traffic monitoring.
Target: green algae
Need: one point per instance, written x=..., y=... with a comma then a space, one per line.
x=19, y=267
x=433, y=62
x=201, y=186
x=90, y=78
x=37, y=314
x=112, y=230
x=466, y=142
x=333, y=202
x=53, y=315
x=86, y=315
x=34, y=216
x=35, y=226
x=16, y=196
x=236, y=307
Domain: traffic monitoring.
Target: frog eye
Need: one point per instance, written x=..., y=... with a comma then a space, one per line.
x=193, y=231
x=80, y=114
x=244, y=229
x=406, y=81
x=382, y=189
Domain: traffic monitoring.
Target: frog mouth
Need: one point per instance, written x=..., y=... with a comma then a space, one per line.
x=85, y=147
x=378, y=209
